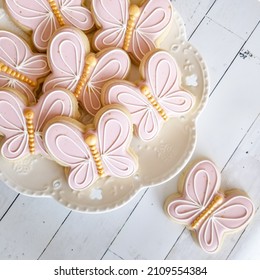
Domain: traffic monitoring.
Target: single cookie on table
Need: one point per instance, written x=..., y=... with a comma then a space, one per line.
x=135, y=29
x=92, y=151
x=208, y=212
x=153, y=100
x=20, y=68
x=75, y=68
x=22, y=125
x=43, y=17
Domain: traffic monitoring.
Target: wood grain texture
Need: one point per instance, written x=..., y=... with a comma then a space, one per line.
x=227, y=34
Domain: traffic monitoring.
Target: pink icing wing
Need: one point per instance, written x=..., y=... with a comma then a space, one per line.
x=233, y=214
x=35, y=15
x=113, y=64
x=146, y=119
x=112, y=16
x=114, y=134
x=201, y=184
x=50, y=105
x=67, y=57
x=76, y=14
x=15, y=53
x=154, y=19
x=23, y=88
x=161, y=72
x=66, y=144
x=13, y=126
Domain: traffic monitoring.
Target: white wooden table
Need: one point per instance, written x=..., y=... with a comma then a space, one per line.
x=227, y=34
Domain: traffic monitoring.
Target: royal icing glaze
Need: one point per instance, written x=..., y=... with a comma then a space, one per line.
x=93, y=151
x=155, y=99
x=135, y=29
x=83, y=73
x=205, y=210
x=20, y=68
x=22, y=125
x=43, y=17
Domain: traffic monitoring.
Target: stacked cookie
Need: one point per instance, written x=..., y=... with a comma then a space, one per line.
x=43, y=96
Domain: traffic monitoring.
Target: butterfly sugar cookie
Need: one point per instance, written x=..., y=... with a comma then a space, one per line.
x=205, y=210
x=94, y=151
x=43, y=17
x=20, y=68
x=84, y=73
x=155, y=99
x=21, y=125
x=135, y=29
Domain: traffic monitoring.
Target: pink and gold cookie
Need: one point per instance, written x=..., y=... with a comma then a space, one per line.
x=84, y=73
x=135, y=29
x=43, y=17
x=22, y=125
x=155, y=99
x=20, y=68
x=208, y=212
x=93, y=151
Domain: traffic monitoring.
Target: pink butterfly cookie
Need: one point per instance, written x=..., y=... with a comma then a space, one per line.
x=43, y=17
x=83, y=73
x=155, y=99
x=209, y=213
x=94, y=151
x=22, y=126
x=20, y=68
x=135, y=29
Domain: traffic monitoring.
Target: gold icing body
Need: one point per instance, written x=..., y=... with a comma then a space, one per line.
x=17, y=75
x=216, y=201
x=56, y=12
x=146, y=92
x=29, y=114
x=134, y=12
x=90, y=62
x=91, y=141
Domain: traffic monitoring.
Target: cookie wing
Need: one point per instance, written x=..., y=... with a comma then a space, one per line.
x=76, y=14
x=146, y=119
x=34, y=15
x=13, y=126
x=66, y=55
x=114, y=132
x=113, y=64
x=161, y=73
x=50, y=105
x=233, y=214
x=154, y=19
x=201, y=184
x=66, y=144
x=112, y=17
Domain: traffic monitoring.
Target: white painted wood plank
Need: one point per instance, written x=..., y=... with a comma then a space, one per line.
x=242, y=172
x=218, y=47
x=220, y=129
x=239, y=16
x=87, y=236
x=111, y=256
x=149, y=233
x=231, y=109
x=28, y=226
x=248, y=247
x=6, y=198
x=192, y=12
